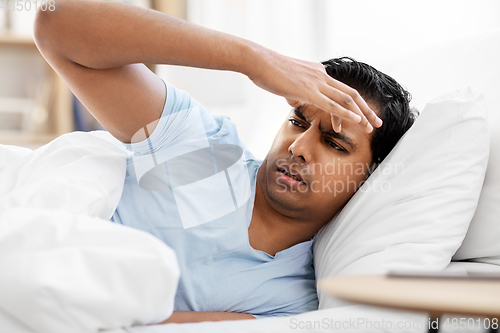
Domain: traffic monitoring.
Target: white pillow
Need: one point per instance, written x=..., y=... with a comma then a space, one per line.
x=482, y=243
x=414, y=210
x=466, y=61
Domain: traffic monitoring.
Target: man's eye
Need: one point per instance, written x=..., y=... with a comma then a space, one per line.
x=335, y=146
x=295, y=122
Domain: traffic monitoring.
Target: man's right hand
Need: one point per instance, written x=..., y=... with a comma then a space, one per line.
x=303, y=82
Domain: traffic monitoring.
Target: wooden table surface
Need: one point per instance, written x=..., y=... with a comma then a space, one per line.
x=437, y=296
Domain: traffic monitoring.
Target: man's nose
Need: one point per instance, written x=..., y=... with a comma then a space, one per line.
x=302, y=146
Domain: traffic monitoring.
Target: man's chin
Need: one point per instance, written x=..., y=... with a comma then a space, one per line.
x=288, y=198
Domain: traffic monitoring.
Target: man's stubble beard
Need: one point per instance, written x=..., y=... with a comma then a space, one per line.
x=280, y=202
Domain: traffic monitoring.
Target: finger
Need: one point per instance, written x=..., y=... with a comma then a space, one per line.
x=293, y=103
x=371, y=119
x=345, y=102
x=369, y=114
x=338, y=110
x=374, y=119
x=349, y=103
x=336, y=123
x=342, y=98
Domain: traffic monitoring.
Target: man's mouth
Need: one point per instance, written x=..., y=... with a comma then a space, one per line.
x=291, y=175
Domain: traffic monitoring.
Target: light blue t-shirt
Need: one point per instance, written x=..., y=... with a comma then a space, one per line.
x=192, y=184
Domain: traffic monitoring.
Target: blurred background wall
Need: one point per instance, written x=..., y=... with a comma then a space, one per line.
x=373, y=31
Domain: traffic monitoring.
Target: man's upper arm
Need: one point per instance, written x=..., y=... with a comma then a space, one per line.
x=123, y=99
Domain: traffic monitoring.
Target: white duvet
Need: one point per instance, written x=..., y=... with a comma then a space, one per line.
x=64, y=267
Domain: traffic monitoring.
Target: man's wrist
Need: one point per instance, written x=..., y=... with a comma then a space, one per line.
x=250, y=55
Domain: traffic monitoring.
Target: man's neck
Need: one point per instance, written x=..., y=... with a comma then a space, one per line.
x=273, y=232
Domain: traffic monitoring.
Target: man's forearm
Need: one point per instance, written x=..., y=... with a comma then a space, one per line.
x=106, y=35
x=198, y=316
x=102, y=35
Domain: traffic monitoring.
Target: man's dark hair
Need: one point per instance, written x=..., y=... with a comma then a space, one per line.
x=392, y=101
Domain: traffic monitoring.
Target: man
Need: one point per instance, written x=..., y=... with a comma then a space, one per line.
x=242, y=229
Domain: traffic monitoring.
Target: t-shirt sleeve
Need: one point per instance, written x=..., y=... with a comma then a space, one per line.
x=183, y=122
x=184, y=126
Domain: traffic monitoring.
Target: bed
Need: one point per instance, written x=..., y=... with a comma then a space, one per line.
x=432, y=205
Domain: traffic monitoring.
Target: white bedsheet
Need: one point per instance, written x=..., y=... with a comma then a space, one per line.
x=64, y=267
x=350, y=318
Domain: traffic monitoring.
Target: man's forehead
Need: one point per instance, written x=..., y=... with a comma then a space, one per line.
x=311, y=114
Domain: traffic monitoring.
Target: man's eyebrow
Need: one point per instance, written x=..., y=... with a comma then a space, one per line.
x=341, y=136
x=298, y=112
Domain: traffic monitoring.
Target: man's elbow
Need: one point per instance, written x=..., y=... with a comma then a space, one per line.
x=41, y=28
x=46, y=26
